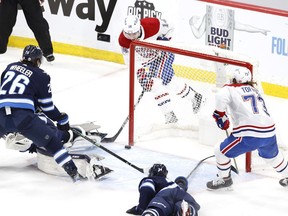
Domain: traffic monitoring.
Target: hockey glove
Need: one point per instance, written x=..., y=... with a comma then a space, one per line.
x=63, y=122
x=221, y=119
x=135, y=211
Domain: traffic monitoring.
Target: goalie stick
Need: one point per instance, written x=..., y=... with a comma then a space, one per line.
x=107, y=150
x=113, y=138
x=201, y=161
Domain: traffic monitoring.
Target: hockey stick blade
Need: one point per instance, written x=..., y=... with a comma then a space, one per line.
x=107, y=150
x=234, y=169
x=113, y=138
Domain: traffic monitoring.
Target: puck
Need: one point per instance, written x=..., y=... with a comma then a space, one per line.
x=127, y=147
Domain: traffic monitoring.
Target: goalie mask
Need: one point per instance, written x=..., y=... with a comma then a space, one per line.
x=241, y=75
x=132, y=27
x=158, y=170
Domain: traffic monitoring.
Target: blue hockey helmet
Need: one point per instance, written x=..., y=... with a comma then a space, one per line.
x=33, y=55
x=158, y=170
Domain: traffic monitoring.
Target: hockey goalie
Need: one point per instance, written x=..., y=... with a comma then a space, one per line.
x=81, y=151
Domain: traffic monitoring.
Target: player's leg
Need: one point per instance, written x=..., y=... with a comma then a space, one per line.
x=271, y=154
x=150, y=83
x=8, y=15
x=35, y=129
x=178, y=86
x=231, y=147
x=163, y=100
x=40, y=27
x=183, y=90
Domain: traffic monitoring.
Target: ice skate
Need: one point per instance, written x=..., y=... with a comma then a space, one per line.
x=220, y=183
x=72, y=171
x=170, y=118
x=78, y=178
x=49, y=57
x=197, y=102
x=284, y=182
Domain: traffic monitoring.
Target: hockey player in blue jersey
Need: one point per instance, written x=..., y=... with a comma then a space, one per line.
x=162, y=197
x=24, y=86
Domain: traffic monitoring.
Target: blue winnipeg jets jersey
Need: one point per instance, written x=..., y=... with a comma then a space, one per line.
x=27, y=87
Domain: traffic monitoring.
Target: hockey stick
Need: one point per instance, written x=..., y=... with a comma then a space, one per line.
x=198, y=164
x=201, y=161
x=113, y=138
x=235, y=163
x=107, y=150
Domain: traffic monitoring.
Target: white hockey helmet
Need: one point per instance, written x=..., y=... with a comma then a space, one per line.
x=241, y=75
x=132, y=27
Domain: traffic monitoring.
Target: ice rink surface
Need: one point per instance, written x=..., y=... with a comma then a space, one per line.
x=91, y=90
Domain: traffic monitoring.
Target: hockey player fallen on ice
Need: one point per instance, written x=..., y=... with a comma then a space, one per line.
x=158, y=196
x=82, y=153
x=156, y=74
x=253, y=129
x=23, y=87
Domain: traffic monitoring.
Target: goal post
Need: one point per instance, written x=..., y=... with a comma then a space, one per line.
x=190, y=63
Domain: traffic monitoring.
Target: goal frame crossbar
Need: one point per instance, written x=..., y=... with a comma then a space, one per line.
x=204, y=56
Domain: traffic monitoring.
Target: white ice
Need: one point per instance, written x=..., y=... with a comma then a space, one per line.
x=91, y=90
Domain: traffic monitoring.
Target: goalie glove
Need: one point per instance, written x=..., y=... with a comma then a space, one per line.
x=221, y=119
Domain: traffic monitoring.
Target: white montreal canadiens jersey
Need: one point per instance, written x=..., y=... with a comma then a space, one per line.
x=246, y=107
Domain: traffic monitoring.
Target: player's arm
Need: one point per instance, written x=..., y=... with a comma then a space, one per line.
x=165, y=30
x=199, y=30
x=124, y=44
x=45, y=102
x=221, y=103
x=248, y=28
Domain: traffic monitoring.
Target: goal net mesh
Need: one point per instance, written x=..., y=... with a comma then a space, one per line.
x=181, y=81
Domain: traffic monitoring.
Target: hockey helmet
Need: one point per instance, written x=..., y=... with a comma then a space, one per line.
x=33, y=55
x=158, y=170
x=132, y=27
x=241, y=75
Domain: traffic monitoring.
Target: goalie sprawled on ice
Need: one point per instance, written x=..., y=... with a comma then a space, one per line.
x=81, y=151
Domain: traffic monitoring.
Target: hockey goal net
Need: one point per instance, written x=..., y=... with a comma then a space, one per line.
x=174, y=75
